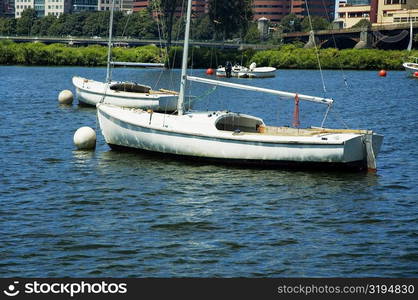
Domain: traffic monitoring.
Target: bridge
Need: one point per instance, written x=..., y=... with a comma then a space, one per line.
x=394, y=36
x=125, y=42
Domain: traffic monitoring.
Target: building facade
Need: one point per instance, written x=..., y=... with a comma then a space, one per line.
x=275, y=10
x=58, y=7
x=199, y=7
x=7, y=8
x=84, y=5
x=43, y=7
x=122, y=5
x=378, y=12
x=271, y=10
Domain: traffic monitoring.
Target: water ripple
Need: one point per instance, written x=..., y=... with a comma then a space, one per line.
x=121, y=214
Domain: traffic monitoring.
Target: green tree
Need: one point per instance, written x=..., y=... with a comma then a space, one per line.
x=230, y=16
x=168, y=9
x=202, y=28
x=7, y=26
x=253, y=34
x=42, y=25
x=58, y=27
x=139, y=25
x=96, y=24
x=73, y=23
x=291, y=23
x=26, y=21
x=318, y=23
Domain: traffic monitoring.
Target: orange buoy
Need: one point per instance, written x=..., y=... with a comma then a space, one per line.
x=382, y=73
x=209, y=71
x=415, y=74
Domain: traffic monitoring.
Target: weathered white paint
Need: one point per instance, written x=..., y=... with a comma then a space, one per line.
x=195, y=134
x=244, y=72
x=410, y=68
x=92, y=92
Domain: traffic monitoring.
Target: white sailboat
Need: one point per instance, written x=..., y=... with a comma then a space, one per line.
x=411, y=67
x=236, y=138
x=126, y=94
x=251, y=72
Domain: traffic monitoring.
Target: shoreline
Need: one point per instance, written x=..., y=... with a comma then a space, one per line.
x=284, y=57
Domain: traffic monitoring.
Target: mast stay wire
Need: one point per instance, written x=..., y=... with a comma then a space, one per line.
x=338, y=114
x=335, y=45
x=316, y=49
x=157, y=10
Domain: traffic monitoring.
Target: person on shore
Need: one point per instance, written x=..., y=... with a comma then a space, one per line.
x=228, y=69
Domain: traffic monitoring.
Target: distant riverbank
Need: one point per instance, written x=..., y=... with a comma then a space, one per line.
x=284, y=57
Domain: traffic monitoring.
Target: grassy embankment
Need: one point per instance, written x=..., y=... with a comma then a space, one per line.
x=285, y=57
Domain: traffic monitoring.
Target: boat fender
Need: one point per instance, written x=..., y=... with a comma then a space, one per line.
x=85, y=138
x=65, y=97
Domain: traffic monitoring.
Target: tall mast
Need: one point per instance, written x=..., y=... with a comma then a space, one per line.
x=184, y=62
x=109, y=44
x=411, y=33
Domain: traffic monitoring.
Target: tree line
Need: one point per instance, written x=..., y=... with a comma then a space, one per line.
x=226, y=19
x=138, y=25
x=292, y=56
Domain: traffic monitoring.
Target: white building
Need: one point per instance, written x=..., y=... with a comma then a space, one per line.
x=123, y=5
x=57, y=7
x=21, y=5
x=43, y=7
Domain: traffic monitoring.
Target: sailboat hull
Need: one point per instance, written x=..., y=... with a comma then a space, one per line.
x=354, y=166
x=410, y=68
x=173, y=135
x=243, y=72
x=90, y=92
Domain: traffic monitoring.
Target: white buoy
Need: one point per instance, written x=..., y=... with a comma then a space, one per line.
x=65, y=97
x=85, y=138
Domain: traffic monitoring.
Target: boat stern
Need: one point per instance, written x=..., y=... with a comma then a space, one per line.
x=363, y=149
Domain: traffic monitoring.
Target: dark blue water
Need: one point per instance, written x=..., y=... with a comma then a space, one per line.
x=105, y=213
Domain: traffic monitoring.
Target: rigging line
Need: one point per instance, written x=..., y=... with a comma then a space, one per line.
x=159, y=29
x=162, y=30
x=326, y=115
x=191, y=72
x=157, y=14
x=126, y=25
x=109, y=46
x=340, y=118
x=316, y=48
x=160, y=20
x=335, y=44
x=178, y=26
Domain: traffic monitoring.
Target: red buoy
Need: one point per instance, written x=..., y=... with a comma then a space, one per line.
x=415, y=74
x=209, y=71
x=382, y=73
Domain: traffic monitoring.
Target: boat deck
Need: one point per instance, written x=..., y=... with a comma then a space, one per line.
x=289, y=131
